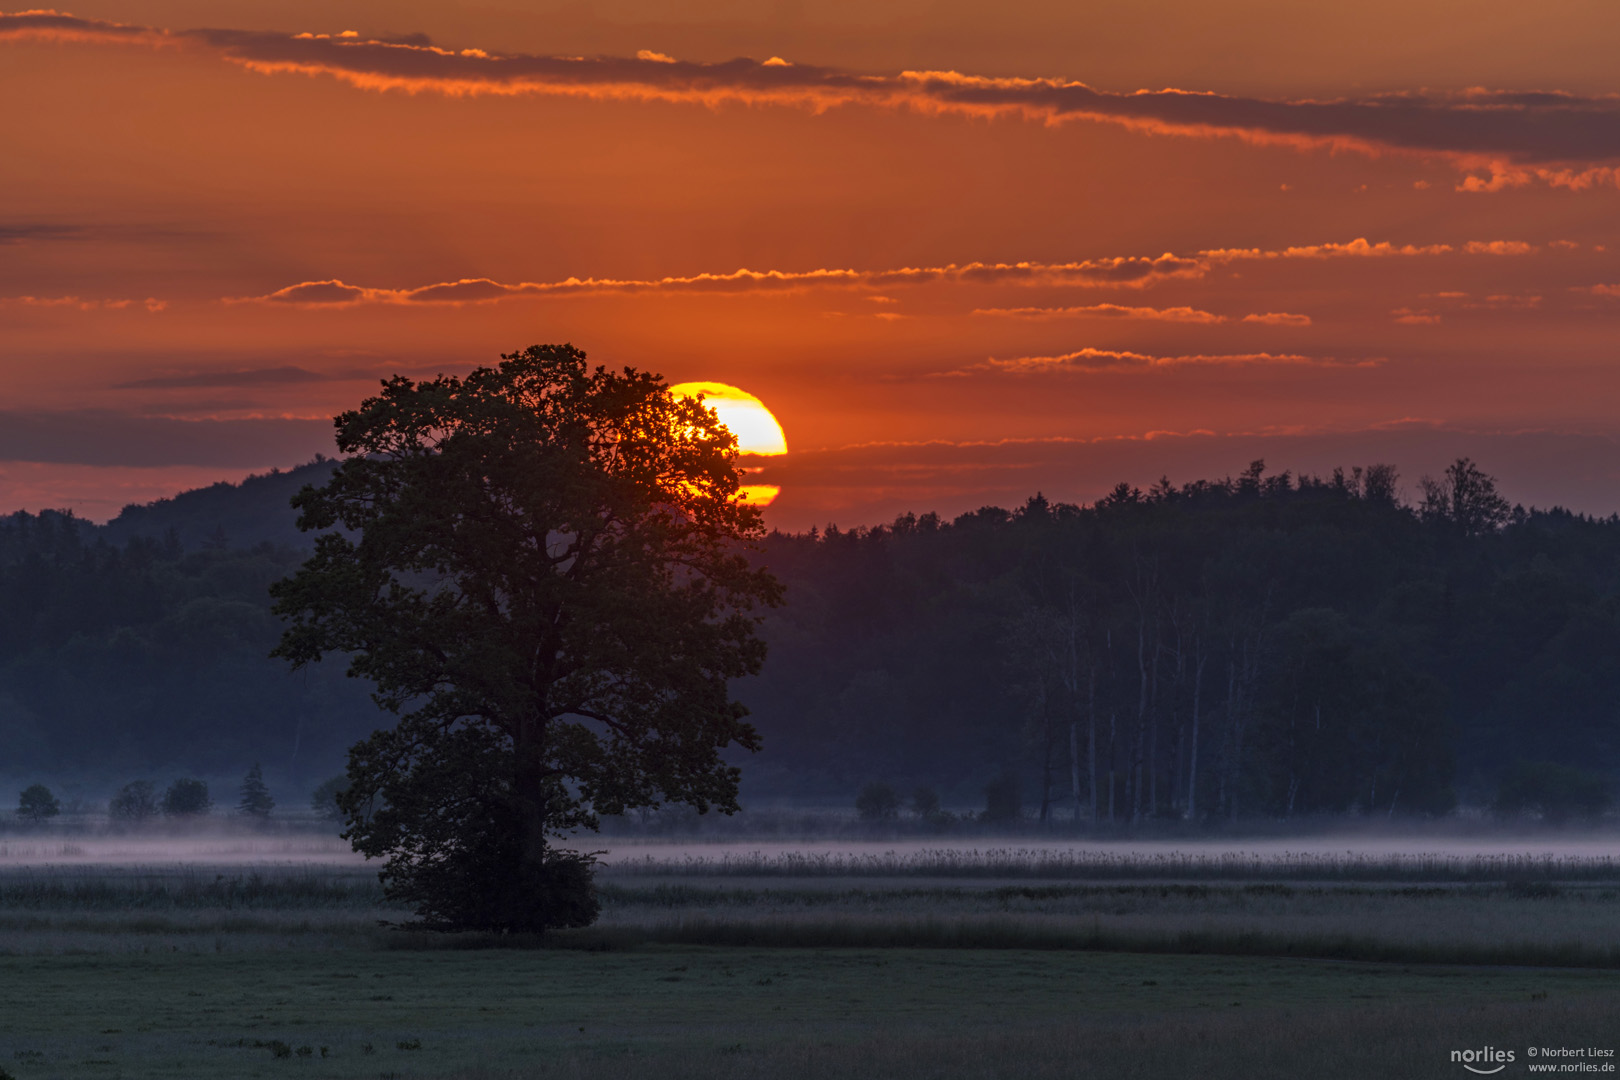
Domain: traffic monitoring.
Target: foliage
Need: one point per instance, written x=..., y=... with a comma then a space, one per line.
x=877, y=802
x=1002, y=801
x=143, y=655
x=1554, y=792
x=256, y=800
x=937, y=652
x=1163, y=653
x=1465, y=499
x=925, y=802
x=36, y=803
x=540, y=569
x=324, y=799
x=186, y=798
x=135, y=802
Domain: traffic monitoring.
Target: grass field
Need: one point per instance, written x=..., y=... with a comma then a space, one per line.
x=280, y=969
x=372, y=1012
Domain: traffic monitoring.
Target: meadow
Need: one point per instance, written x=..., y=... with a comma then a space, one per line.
x=253, y=955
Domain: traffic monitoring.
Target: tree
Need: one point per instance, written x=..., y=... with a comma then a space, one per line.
x=1555, y=792
x=877, y=802
x=324, y=799
x=134, y=802
x=37, y=803
x=1466, y=497
x=186, y=798
x=1002, y=802
x=542, y=570
x=256, y=800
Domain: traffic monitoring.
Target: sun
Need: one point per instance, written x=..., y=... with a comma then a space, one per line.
x=746, y=417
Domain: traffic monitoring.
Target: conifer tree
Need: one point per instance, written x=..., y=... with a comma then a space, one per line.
x=256, y=800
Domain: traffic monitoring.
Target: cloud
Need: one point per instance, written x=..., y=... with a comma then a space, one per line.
x=1414, y=317
x=1278, y=318
x=107, y=437
x=1122, y=271
x=1498, y=247
x=1564, y=139
x=1127, y=271
x=1174, y=314
x=1358, y=248
x=276, y=376
x=1089, y=359
x=18, y=233
x=80, y=303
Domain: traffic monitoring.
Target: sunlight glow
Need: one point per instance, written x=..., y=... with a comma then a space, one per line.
x=746, y=417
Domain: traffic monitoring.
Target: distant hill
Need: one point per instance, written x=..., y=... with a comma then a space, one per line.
x=240, y=515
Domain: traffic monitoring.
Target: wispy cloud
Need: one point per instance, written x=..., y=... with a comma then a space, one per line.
x=1149, y=314
x=1111, y=311
x=1511, y=137
x=80, y=303
x=276, y=376
x=1118, y=272
x=1090, y=360
x=110, y=437
x=1278, y=318
x=21, y=232
x=1124, y=271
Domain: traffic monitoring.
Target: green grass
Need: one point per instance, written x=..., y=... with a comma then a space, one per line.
x=145, y=973
x=183, y=1015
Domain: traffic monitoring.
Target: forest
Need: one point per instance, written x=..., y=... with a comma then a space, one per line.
x=1257, y=646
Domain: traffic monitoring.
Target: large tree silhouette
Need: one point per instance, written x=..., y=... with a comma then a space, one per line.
x=542, y=569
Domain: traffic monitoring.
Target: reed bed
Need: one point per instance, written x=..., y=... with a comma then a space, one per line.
x=1089, y=865
x=120, y=889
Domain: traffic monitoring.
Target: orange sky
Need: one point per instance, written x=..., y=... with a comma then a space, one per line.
x=1386, y=232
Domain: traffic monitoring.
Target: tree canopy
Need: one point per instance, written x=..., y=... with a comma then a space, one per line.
x=542, y=569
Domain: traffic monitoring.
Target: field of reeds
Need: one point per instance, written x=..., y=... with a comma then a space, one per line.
x=264, y=955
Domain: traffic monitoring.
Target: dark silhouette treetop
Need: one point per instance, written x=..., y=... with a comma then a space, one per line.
x=36, y=803
x=256, y=799
x=542, y=567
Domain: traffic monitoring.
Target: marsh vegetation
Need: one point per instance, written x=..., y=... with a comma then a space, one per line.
x=237, y=954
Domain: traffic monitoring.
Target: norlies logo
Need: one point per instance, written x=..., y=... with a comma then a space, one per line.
x=1484, y=1061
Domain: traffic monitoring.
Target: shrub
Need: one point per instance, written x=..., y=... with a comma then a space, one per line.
x=877, y=802
x=186, y=798
x=37, y=803
x=135, y=801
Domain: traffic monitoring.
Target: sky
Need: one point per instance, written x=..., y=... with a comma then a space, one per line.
x=962, y=251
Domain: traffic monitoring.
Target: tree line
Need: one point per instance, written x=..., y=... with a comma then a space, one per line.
x=1258, y=645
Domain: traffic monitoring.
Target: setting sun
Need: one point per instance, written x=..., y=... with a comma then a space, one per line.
x=746, y=417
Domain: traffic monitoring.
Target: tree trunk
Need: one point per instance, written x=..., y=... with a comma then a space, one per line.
x=1192, y=768
x=1091, y=739
x=529, y=791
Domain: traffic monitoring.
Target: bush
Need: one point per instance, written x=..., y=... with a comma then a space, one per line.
x=1002, y=805
x=877, y=802
x=1555, y=792
x=37, y=803
x=136, y=801
x=186, y=798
